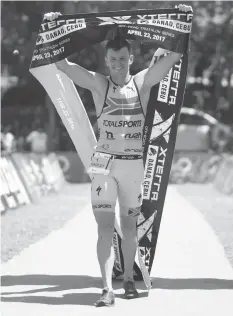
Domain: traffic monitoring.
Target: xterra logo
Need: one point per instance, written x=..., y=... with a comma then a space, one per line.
x=142, y=19
x=47, y=26
x=145, y=254
x=115, y=20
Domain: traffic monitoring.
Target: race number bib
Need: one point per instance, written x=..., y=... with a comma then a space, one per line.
x=101, y=163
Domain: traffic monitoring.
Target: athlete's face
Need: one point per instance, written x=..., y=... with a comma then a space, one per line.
x=118, y=61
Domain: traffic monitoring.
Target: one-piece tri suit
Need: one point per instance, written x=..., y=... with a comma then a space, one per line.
x=120, y=127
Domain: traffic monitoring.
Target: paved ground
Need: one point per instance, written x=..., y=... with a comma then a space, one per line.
x=59, y=274
x=25, y=226
x=217, y=210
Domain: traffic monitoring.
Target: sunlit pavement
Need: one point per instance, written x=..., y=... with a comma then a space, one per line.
x=60, y=275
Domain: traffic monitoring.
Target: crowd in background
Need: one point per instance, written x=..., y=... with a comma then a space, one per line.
x=35, y=140
x=24, y=107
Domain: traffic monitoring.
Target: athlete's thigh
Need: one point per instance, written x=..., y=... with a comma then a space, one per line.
x=130, y=188
x=103, y=198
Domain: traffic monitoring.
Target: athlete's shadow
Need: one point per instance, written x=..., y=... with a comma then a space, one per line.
x=190, y=284
x=65, y=289
x=54, y=289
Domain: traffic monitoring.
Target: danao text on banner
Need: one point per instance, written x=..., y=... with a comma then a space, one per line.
x=60, y=32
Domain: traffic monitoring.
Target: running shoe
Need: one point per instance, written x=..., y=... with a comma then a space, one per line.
x=130, y=290
x=107, y=299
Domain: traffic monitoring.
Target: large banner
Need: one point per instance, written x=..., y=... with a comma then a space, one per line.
x=40, y=173
x=29, y=174
x=13, y=192
x=163, y=28
x=26, y=177
x=72, y=167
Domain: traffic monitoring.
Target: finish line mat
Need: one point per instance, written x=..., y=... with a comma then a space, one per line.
x=163, y=28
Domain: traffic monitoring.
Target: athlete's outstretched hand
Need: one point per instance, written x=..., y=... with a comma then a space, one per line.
x=51, y=16
x=184, y=7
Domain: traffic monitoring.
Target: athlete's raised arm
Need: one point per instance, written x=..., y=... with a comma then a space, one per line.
x=147, y=78
x=79, y=75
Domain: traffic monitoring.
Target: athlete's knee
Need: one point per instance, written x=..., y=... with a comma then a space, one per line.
x=104, y=212
x=105, y=218
x=105, y=233
x=128, y=226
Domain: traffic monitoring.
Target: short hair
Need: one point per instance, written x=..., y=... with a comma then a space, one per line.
x=118, y=44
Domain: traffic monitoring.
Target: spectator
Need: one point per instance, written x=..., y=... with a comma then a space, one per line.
x=20, y=143
x=8, y=139
x=38, y=141
x=2, y=139
x=220, y=137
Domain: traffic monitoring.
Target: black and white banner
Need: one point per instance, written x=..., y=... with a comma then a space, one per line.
x=165, y=28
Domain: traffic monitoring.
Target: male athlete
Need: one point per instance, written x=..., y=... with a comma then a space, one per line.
x=121, y=105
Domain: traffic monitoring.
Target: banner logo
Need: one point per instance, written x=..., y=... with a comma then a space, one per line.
x=39, y=40
x=182, y=27
x=149, y=170
x=164, y=88
x=152, y=151
x=163, y=16
x=61, y=31
x=161, y=128
x=58, y=23
x=115, y=20
x=145, y=225
x=174, y=83
x=116, y=248
x=157, y=176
